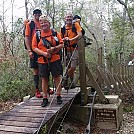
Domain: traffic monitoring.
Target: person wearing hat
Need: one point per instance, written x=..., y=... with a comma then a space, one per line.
x=49, y=58
x=77, y=18
x=29, y=32
x=71, y=38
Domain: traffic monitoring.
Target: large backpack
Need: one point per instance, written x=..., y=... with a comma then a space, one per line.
x=63, y=30
x=32, y=27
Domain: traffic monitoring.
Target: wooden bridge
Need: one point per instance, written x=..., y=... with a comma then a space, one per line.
x=27, y=117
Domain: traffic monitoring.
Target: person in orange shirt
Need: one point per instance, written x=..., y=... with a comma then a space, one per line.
x=70, y=38
x=29, y=32
x=49, y=58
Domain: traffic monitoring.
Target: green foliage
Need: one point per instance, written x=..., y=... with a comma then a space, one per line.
x=128, y=108
x=15, y=80
x=44, y=130
x=122, y=40
x=91, y=55
x=14, y=90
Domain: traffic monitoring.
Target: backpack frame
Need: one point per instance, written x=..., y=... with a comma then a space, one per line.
x=63, y=30
x=32, y=27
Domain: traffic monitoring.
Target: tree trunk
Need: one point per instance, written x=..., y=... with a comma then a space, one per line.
x=125, y=6
x=26, y=2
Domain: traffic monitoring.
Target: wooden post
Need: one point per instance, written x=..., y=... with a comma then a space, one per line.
x=102, y=98
x=99, y=78
x=82, y=72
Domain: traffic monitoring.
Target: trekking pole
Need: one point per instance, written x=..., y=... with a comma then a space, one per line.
x=88, y=128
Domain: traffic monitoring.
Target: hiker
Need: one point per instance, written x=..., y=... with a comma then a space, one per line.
x=77, y=19
x=70, y=36
x=49, y=58
x=29, y=32
x=88, y=41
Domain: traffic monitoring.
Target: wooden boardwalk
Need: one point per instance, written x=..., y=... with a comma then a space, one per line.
x=26, y=117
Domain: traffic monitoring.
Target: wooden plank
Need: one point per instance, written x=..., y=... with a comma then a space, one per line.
x=121, y=87
x=123, y=82
x=113, y=80
x=104, y=77
x=27, y=116
x=23, y=119
x=36, y=115
x=29, y=109
x=96, y=86
x=5, y=132
x=18, y=129
x=34, y=111
x=19, y=123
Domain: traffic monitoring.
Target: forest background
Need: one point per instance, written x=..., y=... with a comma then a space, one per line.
x=109, y=23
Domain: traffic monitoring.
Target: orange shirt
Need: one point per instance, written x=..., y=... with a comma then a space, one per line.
x=28, y=29
x=69, y=33
x=40, y=45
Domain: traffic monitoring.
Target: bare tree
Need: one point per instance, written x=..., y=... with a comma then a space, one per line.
x=126, y=8
x=4, y=31
x=26, y=8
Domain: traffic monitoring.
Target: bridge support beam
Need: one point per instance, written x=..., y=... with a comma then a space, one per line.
x=82, y=72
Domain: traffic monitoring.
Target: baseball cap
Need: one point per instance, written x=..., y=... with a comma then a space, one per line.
x=76, y=17
x=37, y=11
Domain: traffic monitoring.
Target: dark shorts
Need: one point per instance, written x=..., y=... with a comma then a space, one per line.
x=34, y=61
x=55, y=68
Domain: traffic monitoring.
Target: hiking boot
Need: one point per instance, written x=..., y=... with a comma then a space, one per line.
x=38, y=94
x=65, y=82
x=66, y=87
x=50, y=91
x=59, y=100
x=72, y=86
x=45, y=102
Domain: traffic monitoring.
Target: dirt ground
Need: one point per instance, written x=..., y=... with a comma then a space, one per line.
x=127, y=126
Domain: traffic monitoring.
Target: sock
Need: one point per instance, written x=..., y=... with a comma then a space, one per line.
x=36, y=81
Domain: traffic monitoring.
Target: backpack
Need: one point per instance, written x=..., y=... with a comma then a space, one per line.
x=63, y=29
x=45, y=41
x=32, y=27
x=54, y=34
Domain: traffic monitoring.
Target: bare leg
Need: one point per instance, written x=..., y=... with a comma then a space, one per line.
x=44, y=87
x=35, y=71
x=57, y=80
x=71, y=71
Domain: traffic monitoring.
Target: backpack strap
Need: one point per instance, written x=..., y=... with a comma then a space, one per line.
x=47, y=43
x=54, y=33
x=63, y=31
x=38, y=36
x=32, y=26
x=74, y=28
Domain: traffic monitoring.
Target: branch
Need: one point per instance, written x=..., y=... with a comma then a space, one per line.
x=92, y=34
x=129, y=16
x=122, y=3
